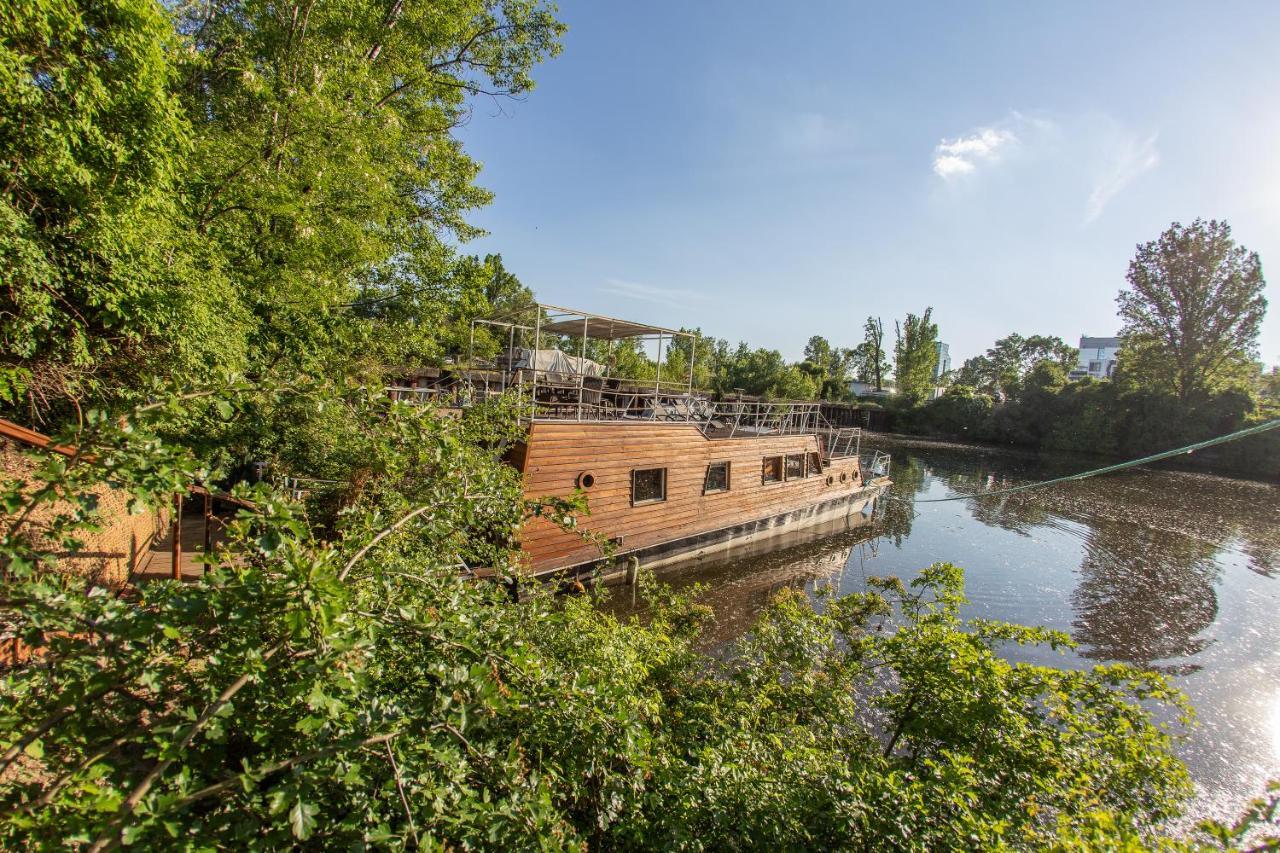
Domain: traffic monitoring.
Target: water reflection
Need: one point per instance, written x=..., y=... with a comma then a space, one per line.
x=1145, y=597
x=1171, y=570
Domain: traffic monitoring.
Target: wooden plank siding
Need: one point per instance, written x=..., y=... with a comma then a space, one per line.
x=557, y=453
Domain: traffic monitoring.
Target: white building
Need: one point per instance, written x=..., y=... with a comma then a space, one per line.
x=1097, y=358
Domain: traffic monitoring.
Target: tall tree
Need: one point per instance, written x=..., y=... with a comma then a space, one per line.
x=869, y=359
x=1192, y=311
x=916, y=355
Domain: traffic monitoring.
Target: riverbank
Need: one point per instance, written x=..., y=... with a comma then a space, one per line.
x=1204, y=461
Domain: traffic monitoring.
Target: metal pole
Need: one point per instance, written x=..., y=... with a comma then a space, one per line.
x=657, y=383
x=511, y=346
x=693, y=354
x=582, y=360
x=537, y=345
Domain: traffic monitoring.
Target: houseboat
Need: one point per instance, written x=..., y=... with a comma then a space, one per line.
x=668, y=472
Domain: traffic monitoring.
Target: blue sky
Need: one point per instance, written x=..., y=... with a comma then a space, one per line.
x=772, y=171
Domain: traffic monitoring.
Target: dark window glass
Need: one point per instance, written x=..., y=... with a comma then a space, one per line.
x=717, y=478
x=815, y=465
x=795, y=466
x=771, y=472
x=648, y=485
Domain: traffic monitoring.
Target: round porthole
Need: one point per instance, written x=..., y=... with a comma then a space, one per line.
x=830, y=480
x=585, y=480
x=844, y=477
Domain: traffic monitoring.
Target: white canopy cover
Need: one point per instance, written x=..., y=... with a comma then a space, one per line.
x=555, y=365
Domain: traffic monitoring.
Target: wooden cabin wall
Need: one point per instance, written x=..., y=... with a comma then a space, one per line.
x=557, y=453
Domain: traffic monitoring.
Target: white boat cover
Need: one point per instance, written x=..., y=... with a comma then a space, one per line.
x=555, y=365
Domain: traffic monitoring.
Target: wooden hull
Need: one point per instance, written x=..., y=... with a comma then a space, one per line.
x=688, y=522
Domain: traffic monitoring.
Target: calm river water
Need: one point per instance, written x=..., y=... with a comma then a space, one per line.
x=1179, y=572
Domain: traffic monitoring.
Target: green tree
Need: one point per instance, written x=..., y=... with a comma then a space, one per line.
x=870, y=363
x=101, y=284
x=1001, y=371
x=1192, y=311
x=916, y=356
x=828, y=367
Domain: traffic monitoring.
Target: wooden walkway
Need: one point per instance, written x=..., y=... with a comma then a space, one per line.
x=157, y=562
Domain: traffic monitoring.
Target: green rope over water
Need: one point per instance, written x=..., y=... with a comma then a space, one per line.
x=1155, y=457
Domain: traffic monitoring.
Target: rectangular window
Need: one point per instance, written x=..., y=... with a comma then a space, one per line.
x=815, y=465
x=717, y=479
x=795, y=466
x=648, y=485
x=771, y=472
x=1095, y=367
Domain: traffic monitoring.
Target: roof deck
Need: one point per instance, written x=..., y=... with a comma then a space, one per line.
x=545, y=366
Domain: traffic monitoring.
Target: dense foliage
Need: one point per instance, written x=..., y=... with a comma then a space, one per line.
x=354, y=689
x=1001, y=371
x=242, y=187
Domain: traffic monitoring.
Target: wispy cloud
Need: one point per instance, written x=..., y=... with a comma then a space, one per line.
x=817, y=134
x=1135, y=156
x=672, y=296
x=962, y=155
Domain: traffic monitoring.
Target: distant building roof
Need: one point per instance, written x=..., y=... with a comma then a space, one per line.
x=1095, y=343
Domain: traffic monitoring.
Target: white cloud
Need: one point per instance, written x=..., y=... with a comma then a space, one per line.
x=1134, y=157
x=672, y=296
x=961, y=156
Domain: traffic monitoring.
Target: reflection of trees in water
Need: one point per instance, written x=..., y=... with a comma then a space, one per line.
x=895, y=512
x=1148, y=577
x=1145, y=595
x=1014, y=512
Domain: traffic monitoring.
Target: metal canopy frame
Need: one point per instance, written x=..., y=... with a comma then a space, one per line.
x=557, y=320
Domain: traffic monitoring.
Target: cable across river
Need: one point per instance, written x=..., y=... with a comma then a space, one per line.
x=1155, y=457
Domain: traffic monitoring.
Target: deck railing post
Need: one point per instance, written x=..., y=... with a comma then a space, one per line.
x=208, y=521
x=176, y=564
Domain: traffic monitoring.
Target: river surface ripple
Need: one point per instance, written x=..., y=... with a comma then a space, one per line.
x=1174, y=571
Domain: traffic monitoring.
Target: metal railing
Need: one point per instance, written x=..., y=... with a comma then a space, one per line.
x=841, y=442
x=716, y=420
x=875, y=465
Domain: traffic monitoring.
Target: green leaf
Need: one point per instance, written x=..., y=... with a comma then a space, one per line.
x=302, y=819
